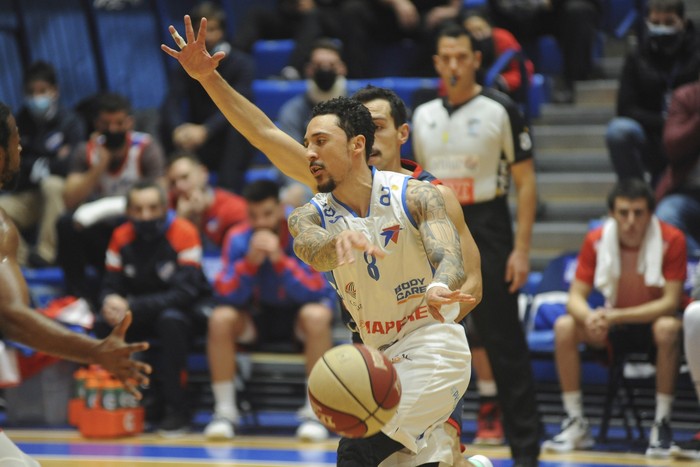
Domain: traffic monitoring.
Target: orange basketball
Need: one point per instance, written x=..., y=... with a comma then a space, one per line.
x=354, y=390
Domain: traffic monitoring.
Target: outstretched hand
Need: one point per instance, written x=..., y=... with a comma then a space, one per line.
x=114, y=355
x=438, y=296
x=193, y=54
x=350, y=240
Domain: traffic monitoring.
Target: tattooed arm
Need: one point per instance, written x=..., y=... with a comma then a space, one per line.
x=315, y=246
x=439, y=235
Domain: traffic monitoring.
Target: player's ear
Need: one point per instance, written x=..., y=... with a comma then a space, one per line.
x=404, y=131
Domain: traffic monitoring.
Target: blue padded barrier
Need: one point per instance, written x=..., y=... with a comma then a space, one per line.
x=58, y=32
x=11, y=70
x=134, y=65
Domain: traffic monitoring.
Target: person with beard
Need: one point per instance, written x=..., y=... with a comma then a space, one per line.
x=49, y=134
x=339, y=140
x=21, y=324
x=153, y=268
x=493, y=42
x=666, y=59
x=190, y=122
x=102, y=170
x=266, y=296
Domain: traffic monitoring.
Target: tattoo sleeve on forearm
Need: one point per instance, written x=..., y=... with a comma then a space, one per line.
x=439, y=235
x=313, y=244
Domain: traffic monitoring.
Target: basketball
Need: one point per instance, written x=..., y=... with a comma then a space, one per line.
x=354, y=390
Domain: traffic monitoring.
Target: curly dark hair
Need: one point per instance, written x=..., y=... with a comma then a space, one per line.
x=353, y=118
x=399, y=113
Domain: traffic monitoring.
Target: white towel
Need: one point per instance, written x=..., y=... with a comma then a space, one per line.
x=649, y=263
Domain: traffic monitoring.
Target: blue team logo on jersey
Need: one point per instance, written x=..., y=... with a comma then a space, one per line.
x=391, y=234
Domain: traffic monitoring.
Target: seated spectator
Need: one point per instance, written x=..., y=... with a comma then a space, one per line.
x=679, y=188
x=666, y=58
x=266, y=295
x=572, y=22
x=493, y=42
x=638, y=263
x=213, y=210
x=49, y=133
x=325, y=74
x=189, y=118
x=154, y=269
x=691, y=332
x=102, y=170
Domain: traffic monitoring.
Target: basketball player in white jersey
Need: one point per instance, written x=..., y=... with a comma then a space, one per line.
x=20, y=323
x=420, y=429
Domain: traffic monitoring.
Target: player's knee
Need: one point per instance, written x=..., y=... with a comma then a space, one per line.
x=223, y=319
x=315, y=317
x=667, y=330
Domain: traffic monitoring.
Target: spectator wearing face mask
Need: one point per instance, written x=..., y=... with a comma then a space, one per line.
x=325, y=74
x=102, y=170
x=666, y=59
x=49, y=132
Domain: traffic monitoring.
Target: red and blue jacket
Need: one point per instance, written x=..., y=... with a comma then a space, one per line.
x=287, y=282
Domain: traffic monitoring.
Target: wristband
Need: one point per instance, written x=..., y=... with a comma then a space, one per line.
x=436, y=284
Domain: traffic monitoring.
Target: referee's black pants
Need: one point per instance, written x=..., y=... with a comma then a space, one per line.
x=500, y=330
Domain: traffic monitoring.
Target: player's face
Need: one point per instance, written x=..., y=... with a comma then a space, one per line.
x=146, y=205
x=10, y=162
x=456, y=61
x=328, y=151
x=265, y=215
x=184, y=177
x=386, y=152
x=632, y=217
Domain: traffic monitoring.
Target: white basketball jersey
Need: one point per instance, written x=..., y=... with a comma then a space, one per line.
x=385, y=296
x=118, y=183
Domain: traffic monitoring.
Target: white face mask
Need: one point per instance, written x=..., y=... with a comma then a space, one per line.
x=42, y=106
x=661, y=30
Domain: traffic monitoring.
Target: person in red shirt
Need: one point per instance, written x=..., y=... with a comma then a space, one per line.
x=213, y=210
x=494, y=42
x=639, y=265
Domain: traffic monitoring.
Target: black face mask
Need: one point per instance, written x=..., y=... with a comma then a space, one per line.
x=663, y=43
x=325, y=79
x=150, y=230
x=114, y=140
x=488, y=51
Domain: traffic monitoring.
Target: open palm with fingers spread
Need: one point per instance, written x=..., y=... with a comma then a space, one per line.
x=193, y=55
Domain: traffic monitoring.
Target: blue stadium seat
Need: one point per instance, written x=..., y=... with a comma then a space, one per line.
x=11, y=70
x=271, y=56
x=59, y=33
x=133, y=63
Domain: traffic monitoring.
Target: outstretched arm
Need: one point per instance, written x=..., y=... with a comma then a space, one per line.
x=319, y=249
x=442, y=246
x=20, y=323
x=283, y=151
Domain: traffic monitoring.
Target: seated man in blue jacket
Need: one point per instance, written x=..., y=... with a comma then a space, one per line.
x=265, y=295
x=153, y=268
